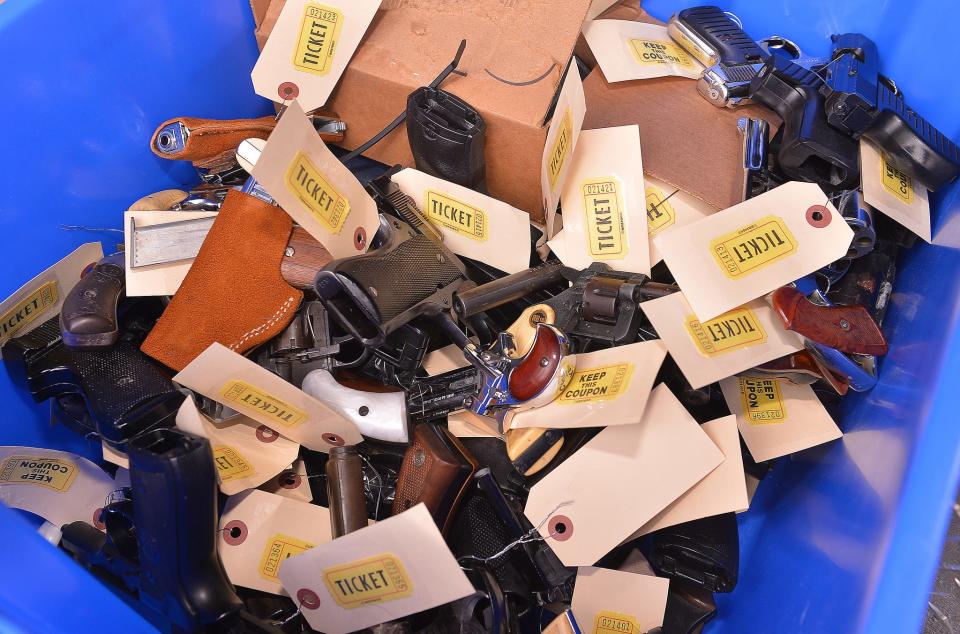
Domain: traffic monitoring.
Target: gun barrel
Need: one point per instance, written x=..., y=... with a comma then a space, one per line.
x=348, y=506
x=507, y=289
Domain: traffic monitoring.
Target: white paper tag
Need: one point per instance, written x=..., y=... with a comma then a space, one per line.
x=667, y=208
x=157, y=279
x=603, y=203
x=298, y=170
x=235, y=381
x=628, y=50
x=724, y=490
x=597, y=7
x=245, y=453
x=561, y=143
x=581, y=498
x=41, y=298
x=777, y=417
x=291, y=483
x=260, y=530
x=609, y=387
x=113, y=456
x=58, y=486
x=473, y=225
x=614, y=602
x=309, y=48
x=892, y=192
x=750, y=249
x=443, y=360
x=707, y=351
x=394, y=568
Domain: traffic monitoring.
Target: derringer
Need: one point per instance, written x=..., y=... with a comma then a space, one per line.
x=125, y=392
x=161, y=543
x=862, y=102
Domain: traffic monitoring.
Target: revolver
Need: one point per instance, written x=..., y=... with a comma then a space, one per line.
x=161, y=536
x=125, y=392
x=862, y=102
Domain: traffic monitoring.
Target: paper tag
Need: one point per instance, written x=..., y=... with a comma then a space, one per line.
x=157, y=279
x=777, y=417
x=291, y=483
x=616, y=602
x=727, y=259
x=627, y=50
x=309, y=48
x=892, y=192
x=245, y=453
x=383, y=572
x=41, y=298
x=668, y=208
x=260, y=530
x=444, y=359
x=466, y=424
x=229, y=378
x=724, y=490
x=561, y=143
x=597, y=7
x=113, y=456
x=298, y=170
x=58, y=486
x=602, y=202
x=470, y=222
x=609, y=387
x=708, y=351
x=584, y=514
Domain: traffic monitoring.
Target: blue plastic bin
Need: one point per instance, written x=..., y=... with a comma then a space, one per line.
x=842, y=538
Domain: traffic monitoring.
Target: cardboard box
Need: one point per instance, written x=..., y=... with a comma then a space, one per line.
x=686, y=141
x=516, y=53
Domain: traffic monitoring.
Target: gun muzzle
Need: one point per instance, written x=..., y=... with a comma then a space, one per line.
x=348, y=505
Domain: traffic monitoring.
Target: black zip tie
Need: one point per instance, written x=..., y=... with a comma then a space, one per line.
x=402, y=117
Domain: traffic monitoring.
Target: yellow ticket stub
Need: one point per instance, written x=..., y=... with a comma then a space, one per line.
x=753, y=247
x=730, y=331
x=28, y=309
x=373, y=580
x=615, y=623
x=279, y=548
x=561, y=149
x=660, y=214
x=895, y=181
x=309, y=185
x=317, y=41
x=248, y=398
x=762, y=400
x=447, y=211
x=230, y=463
x=606, y=228
x=597, y=384
x=53, y=473
x=654, y=52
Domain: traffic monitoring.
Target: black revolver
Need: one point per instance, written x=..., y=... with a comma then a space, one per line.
x=161, y=539
x=862, y=102
x=125, y=392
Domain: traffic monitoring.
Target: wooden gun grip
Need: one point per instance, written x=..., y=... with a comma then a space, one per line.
x=848, y=329
x=303, y=259
x=540, y=366
x=436, y=470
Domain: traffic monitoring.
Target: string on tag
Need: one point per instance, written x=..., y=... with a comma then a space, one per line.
x=655, y=207
x=533, y=535
x=284, y=622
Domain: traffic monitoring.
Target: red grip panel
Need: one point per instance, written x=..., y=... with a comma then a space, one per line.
x=848, y=329
x=537, y=369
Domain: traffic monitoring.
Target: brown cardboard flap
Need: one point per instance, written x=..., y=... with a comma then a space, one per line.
x=687, y=142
